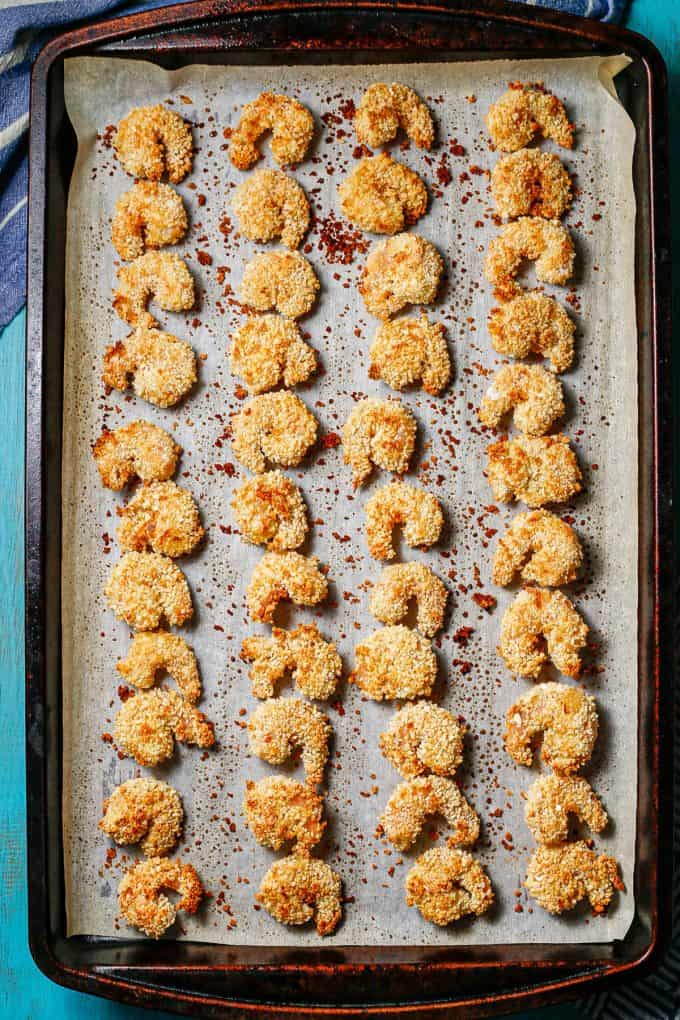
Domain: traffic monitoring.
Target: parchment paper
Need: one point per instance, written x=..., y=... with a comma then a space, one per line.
x=449, y=460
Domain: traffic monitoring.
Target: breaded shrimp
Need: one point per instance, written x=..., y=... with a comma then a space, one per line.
x=380, y=432
x=531, y=183
x=161, y=517
x=382, y=195
x=149, y=215
x=525, y=110
x=395, y=662
x=155, y=655
x=402, y=582
x=533, y=323
x=545, y=242
x=270, y=204
x=408, y=351
x=386, y=108
x=312, y=663
x=268, y=350
x=300, y=889
x=163, y=275
x=558, y=877
x=270, y=511
x=281, y=280
x=567, y=718
x=535, y=469
x=143, y=588
x=403, y=270
x=539, y=547
x=152, y=141
x=421, y=738
x=138, y=450
x=534, y=395
x=291, y=125
x=144, y=811
x=552, y=799
x=446, y=884
x=542, y=626
x=280, y=811
x=414, y=800
x=148, y=724
x=162, y=368
x=287, y=576
x=396, y=504
x=280, y=726
x=274, y=427
x=142, y=902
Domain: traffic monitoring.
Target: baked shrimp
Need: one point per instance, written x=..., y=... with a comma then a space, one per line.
x=567, y=718
x=279, y=727
x=411, y=351
x=538, y=547
x=547, y=243
x=273, y=427
x=148, y=724
x=280, y=811
x=270, y=511
x=161, y=367
x=533, y=323
x=446, y=884
x=386, y=108
x=153, y=141
x=161, y=517
x=291, y=125
x=559, y=877
x=401, y=583
x=525, y=110
x=542, y=626
x=270, y=204
x=312, y=663
x=397, y=504
x=144, y=811
x=382, y=196
x=531, y=183
x=161, y=275
x=551, y=800
x=414, y=800
x=142, y=901
x=280, y=280
x=395, y=662
x=381, y=433
x=422, y=738
x=299, y=889
x=403, y=270
x=282, y=577
x=533, y=395
x=155, y=655
x=144, y=588
x=268, y=350
x=138, y=450
x=149, y=215
x=535, y=469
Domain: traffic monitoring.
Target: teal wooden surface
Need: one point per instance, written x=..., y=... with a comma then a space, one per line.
x=24, y=993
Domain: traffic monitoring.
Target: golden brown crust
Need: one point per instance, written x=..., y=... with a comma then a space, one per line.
x=280, y=811
x=162, y=367
x=163, y=275
x=281, y=280
x=533, y=323
x=148, y=724
x=270, y=204
x=386, y=108
x=279, y=726
x=382, y=195
x=532, y=394
x=144, y=811
x=413, y=801
x=138, y=450
x=567, y=718
x=411, y=350
x=268, y=350
x=148, y=216
x=144, y=588
x=395, y=662
x=380, y=432
x=398, y=585
x=284, y=576
x=142, y=902
x=536, y=469
x=270, y=511
x=154, y=655
x=423, y=737
x=558, y=877
x=161, y=517
x=538, y=547
x=398, y=503
x=152, y=141
x=403, y=270
x=542, y=626
x=300, y=889
x=525, y=110
x=550, y=802
x=446, y=884
x=274, y=427
x=291, y=124
x=531, y=182
x=312, y=662
x=547, y=243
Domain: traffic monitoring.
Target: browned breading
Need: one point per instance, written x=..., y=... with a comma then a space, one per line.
x=541, y=626
x=534, y=395
x=380, y=432
x=398, y=585
x=138, y=450
x=157, y=654
x=161, y=275
x=149, y=215
x=539, y=547
x=270, y=511
x=291, y=125
x=152, y=141
x=536, y=469
x=148, y=724
x=567, y=718
x=382, y=195
x=267, y=350
x=558, y=877
x=403, y=270
x=270, y=204
x=161, y=517
x=525, y=110
x=144, y=811
x=312, y=663
x=286, y=576
x=547, y=243
x=280, y=811
x=531, y=182
x=533, y=323
x=162, y=367
x=421, y=738
x=552, y=799
x=395, y=662
x=398, y=503
x=274, y=427
x=280, y=726
x=143, y=588
x=281, y=280
x=299, y=889
x=142, y=902
x=386, y=108
x=446, y=884
x=408, y=351
x=414, y=800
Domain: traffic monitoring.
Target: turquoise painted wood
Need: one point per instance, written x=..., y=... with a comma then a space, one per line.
x=24, y=993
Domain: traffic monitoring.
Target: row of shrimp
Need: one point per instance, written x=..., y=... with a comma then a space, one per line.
x=541, y=627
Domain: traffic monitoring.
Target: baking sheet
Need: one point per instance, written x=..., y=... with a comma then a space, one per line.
x=449, y=460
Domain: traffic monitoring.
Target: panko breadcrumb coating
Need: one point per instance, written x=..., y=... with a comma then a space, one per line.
x=299, y=889
x=395, y=662
x=533, y=323
x=446, y=884
x=291, y=125
x=148, y=724
x=542, y=626
x=152, y=141
x=382, y=195
x=547, y=243
x=403, y=270
x=267, y=350
x=161, y=275
x=396, y=504
x=312, y=663
x=533, y=394
x=155, y=655
x=138, y=450
x=538, y=547
x=280, y=726
x=270, y=204
x=162, y=367
x=408, y=351
x=280, y=280
x=552, y=799
x=149, y=215
x=161, y=517
x=380, y=432
x=143, y=588
x=558, y=877
x=280, y=811
x=531, y=182
x=144, y=811
x=274, y=427
x=270, y=511
x=567, y=718
x=386, y=108
x=141, y=899
x=398, y=585
x=525, y=110
x=535, y=469
x=414, y=800
x=287, y=576
x=421, y=738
